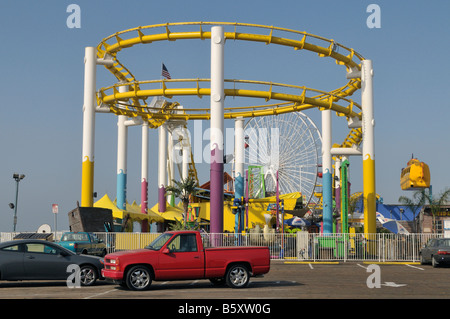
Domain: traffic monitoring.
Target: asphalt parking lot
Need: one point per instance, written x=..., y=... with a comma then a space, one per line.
x=284, y=281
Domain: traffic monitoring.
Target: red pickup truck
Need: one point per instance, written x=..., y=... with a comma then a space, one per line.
x=180, y=255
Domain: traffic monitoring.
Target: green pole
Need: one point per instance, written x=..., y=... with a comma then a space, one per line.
x=344, y=195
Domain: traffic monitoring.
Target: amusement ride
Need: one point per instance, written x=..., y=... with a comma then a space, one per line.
x=292, y=161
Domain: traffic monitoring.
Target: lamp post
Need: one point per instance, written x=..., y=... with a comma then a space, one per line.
x=17, y=178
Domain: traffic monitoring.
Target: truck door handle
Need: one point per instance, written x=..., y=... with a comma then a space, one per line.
x=197, y=257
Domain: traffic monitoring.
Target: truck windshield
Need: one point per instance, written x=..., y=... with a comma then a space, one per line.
x=159, y=242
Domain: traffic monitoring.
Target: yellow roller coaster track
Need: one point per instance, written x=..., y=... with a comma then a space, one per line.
x=287, y=98
x=298, y=40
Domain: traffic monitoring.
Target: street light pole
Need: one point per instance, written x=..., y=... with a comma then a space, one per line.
x=17, y=178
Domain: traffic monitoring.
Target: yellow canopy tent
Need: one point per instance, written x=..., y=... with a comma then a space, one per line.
x=170, y=214
x=133, y=211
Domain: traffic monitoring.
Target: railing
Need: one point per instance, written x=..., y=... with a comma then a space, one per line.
x=301, y=246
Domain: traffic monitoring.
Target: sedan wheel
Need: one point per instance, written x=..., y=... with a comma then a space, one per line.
x=88, y=275
x=422, y=260
x=139, y=278
x=238, y=276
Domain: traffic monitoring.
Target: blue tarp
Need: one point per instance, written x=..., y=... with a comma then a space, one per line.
x=392, y=211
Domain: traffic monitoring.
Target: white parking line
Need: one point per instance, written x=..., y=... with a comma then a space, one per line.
x=414, y=267
x=361, y=266
x=99, y=294
x=310, y=266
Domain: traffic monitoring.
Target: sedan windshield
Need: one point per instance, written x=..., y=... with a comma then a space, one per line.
x=159, y=242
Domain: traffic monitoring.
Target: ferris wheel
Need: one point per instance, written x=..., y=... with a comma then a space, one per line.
x=288, y=145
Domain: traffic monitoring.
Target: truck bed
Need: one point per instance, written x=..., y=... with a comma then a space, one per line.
x=217, y=259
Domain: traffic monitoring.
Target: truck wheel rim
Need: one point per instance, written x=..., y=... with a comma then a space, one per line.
x=87, y=276
x=139, y=278
x=238, y=276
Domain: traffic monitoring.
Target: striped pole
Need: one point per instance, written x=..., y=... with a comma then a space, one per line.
x=239, y=148
x=217, y=125
x=327, y=178
x=144, y=169
x=89, y=105
x=368, y=147
x=122, y=141
x=162, y=168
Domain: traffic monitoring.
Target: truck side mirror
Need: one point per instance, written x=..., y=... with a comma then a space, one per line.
x=166, y=251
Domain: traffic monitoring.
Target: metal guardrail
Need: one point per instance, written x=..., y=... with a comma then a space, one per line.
x=301, y=246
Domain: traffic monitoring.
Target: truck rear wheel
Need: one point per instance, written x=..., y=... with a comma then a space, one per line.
x=139, y=278
x=237, y=276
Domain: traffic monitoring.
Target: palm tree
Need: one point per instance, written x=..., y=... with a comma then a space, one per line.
x=183, y=189
x=421, y=198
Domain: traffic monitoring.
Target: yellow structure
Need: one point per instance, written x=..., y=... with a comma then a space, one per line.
x=133, y=212
x=171, y=213
x=415, y=176
x=257, y=208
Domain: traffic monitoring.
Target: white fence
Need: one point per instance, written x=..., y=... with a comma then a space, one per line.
x=301, y=246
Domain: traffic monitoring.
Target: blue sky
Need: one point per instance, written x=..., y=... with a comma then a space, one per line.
x=42, y=87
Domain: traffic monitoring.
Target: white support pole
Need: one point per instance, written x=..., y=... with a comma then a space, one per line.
x=239, y=147
x=89, y=105
x=162, y=168
x=217, y=128
x=122, y=147
x=368, y=122
x=327, y=175
x=170, y=171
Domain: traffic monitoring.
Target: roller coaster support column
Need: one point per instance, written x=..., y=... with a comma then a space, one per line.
x=368, y=147
x=162, y=168
x=327, y=177
x=239, y=147
x=217, y=125
x=144, y=169
x=89, y=105
x=122, y=141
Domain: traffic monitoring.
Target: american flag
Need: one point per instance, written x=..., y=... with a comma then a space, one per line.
x=165, y=73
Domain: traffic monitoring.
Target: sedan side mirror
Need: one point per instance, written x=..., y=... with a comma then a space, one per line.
x=63, y=253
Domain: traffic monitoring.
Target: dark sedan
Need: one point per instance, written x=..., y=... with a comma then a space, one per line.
x=33, y=259
x=436, y=252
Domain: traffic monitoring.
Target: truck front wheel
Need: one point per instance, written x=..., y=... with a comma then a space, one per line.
x=139, y=278
x=237, y=276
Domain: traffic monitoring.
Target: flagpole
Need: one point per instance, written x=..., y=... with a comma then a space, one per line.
x=161, y=76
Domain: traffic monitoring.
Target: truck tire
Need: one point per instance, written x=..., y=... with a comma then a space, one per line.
x=237, y=276
x=139, y=278
x=88, y=275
